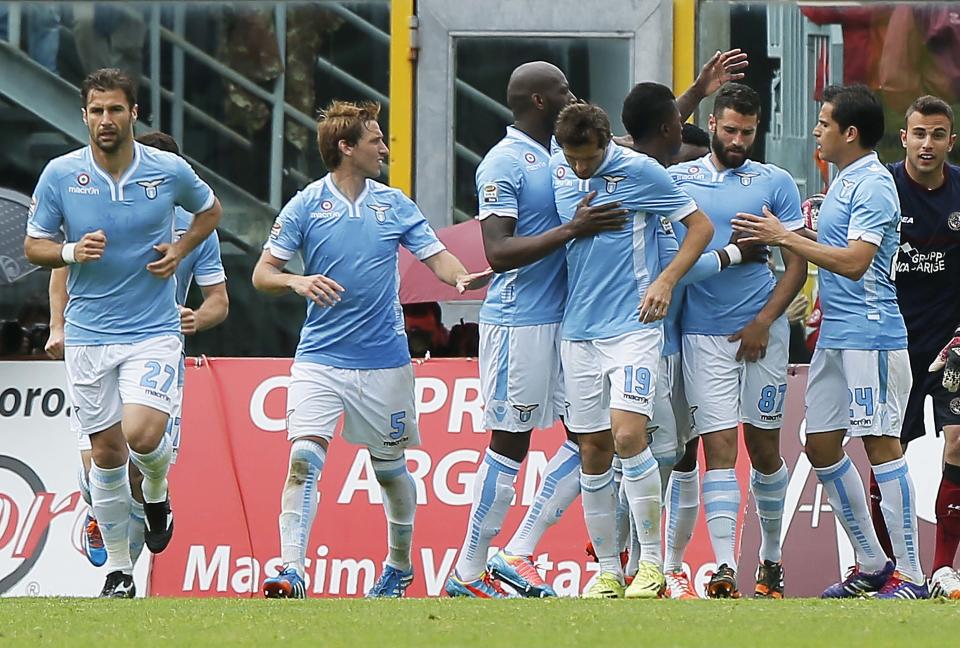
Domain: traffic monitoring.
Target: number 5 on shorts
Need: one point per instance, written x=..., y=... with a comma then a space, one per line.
x=154, y=368
x=398, y=424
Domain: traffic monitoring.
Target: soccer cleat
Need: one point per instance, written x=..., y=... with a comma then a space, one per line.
x=723, y=583
x=483, y=587
x=393, y=583
x=519, y=573
x=286, y=584
x=679, y=587
x=649, y=583
x=159, y=520
x=118, y=585
x=858, y=583
x=898, y=588
x=606, y=586
x=945, y=583
x=769, y=580
x=92, y=542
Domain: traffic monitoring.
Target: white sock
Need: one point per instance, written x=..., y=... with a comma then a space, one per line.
x=624, y=521
x=600, y=516
x=721, y=503
x=400, y=506
x=641, y=484
x=110, y=492
x=769, y=492
x=634, y=551
x=298, y=503
x=899, y=505
x=841, y=481
x=683, y=506
x=154, y=466
x=138, y=528
x=83, y=481
x=492, y=493
x=560, y=486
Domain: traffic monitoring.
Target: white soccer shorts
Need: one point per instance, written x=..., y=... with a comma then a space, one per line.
x=669, y=430
x=101, y=379
x=862, y=392
x=520, y=378
x=723, y=391
x=377, y=404
x=614, y=373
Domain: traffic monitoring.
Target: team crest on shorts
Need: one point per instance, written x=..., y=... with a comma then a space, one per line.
x=381, y=212
x=955, y=405
x=526, y=411
x=150, y=187
x=746, y=179
x=953, y=221
x=612, y=182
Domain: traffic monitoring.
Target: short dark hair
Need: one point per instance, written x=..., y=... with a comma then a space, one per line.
x=929, y=105
x=855, y=105
x=106, y=79
x=161, y=141
x=577, y=123
x=646, y=108
x=695, y=136
x=737, y=97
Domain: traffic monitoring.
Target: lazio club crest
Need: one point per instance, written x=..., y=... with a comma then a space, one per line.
x=746, y=178
x=150, y=187
x=612, y=182
x=381, y=212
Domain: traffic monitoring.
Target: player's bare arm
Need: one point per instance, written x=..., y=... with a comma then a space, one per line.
x=850, y=262
x=656, y=301
x=448, y=269
x=213, y=310
x=57, y=291
x=269, y=277
x=201, y=227
x=722, y=67
x=505, y=251
x=53, y=254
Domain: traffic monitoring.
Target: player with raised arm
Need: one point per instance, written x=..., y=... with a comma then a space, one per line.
x=352, y=358
x=610, y=356
x=736, y=341
x=519, y=335
x=202, y=265
x=113, y=203
x=860, y=373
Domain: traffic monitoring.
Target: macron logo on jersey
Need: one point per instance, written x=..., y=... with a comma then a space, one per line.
x=83, y=180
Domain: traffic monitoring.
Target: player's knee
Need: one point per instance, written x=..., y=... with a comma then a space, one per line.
x=513, y=445
x=951, y=445
x=720, y=449
x=821, y=453
x=596, y=452
x=881, y=449
x=763, y=447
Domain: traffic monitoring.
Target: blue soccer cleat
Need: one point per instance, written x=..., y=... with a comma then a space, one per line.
x=897, y=588
x=393, y=583
x=286, y=584
x=519, y=573
x=92, y=542
x=483, y=587
x=858, y=583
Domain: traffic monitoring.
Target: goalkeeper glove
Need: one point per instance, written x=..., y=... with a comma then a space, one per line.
x=949, y=360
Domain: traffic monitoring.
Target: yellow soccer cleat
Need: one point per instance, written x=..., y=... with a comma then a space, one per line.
x=606, y=586
x=649, y=583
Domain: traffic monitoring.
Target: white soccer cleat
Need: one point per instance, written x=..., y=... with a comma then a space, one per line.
x=945, y=583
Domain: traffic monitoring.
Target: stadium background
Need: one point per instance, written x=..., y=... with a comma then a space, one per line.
x=239, y=84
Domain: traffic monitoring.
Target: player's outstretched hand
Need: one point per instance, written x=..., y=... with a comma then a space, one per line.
x=188, y=320
x=322, y=291
x=656, y=301
x=797, y=310
x=589, y=219
x=54, y=345
x=949, y=360
x=753, y=338
x=750, y=252
x=474, y=280
x=760, y=229
x=90, y=247
x=166, y=265
x=722, y=67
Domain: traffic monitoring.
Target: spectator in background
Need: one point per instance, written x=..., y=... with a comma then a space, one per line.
x=796, y=318
x=110, y=35
x=464, y=340
x=43, y=31
x=26, y=335
x=696, y=144
x=425, y=331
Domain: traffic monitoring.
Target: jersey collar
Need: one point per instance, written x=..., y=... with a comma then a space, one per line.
x=116, y=189
x=515, y=133
x=860, y=163
x=354, y=207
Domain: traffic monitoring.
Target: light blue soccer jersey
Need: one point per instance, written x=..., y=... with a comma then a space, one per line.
x=513, y=181
x=724, y=304
x=202, y=265
x=115, y=299
x=356, y=244
x=861, y=204
x=608, y=274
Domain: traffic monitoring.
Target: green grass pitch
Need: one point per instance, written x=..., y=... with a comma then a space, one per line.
x=444, y=622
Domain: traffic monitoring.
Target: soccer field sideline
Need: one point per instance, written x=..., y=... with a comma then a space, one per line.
x=446, y=622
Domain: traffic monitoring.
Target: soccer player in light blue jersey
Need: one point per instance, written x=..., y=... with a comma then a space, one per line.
x=736, y=339
x=202, y=265
x=860, y=373
x=113, y=203
x=519, y=344
x=610, y=355
x=352, y=358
